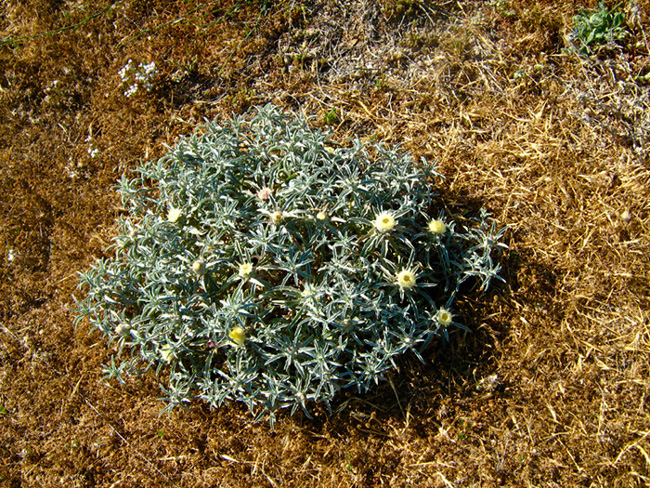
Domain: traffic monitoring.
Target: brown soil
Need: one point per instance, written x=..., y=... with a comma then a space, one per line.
x=549, y=389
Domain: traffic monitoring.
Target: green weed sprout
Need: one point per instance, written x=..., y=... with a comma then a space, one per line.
x=261, y=263
x=598, y=27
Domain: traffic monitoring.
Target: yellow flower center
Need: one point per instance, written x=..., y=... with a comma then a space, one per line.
x=444, y=317
x=245, y=270
x=199, y=267
x=167, y=353
x=437, y=227
x=174, y=214
x=406, y=278
x=384, y=222
x=308, y=291
x=238, y=335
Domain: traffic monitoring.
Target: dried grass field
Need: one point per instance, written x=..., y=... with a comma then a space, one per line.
x=549, y=389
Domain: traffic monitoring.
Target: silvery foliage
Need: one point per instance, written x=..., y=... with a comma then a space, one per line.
x=322, y=309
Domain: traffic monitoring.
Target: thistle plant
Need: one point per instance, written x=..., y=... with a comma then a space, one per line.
x=261, y=263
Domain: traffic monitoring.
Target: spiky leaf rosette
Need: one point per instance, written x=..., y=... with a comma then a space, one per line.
x=262, y=263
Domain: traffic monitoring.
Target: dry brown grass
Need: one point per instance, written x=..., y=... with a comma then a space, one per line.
x=550, y=389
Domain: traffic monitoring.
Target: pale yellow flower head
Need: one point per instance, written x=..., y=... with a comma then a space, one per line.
x=174, y=214
x=308, y=291
x=238, y=335
x=245, y=269
x=321, y=215
x=437, y=227
x=384, y=222
x=167, y=353
x=444, y=317
x=276, y=217
x=199, y=267
x=122, y=329
x=264, y=193
x=406, y=279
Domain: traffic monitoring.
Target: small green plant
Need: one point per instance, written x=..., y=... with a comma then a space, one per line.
x=260, y=263
x=598, y=27
x=504, y=8
x=331, y=117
